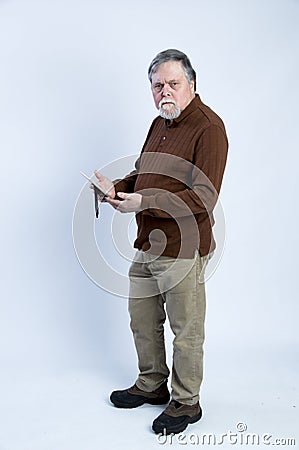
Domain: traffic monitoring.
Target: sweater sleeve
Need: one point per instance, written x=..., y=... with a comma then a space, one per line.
x=127, y=183
x=209, y=163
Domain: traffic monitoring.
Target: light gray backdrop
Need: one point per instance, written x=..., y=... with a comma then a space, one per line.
x=74, y=96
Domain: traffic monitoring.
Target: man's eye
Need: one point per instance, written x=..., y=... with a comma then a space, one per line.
x=158, y=87
x=173, y=85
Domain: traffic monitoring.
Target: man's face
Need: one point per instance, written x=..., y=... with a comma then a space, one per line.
x=171, y=90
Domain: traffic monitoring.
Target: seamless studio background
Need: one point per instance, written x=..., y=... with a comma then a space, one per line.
x=75, y=96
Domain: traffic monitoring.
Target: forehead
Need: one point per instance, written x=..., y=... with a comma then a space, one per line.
x=170, y=70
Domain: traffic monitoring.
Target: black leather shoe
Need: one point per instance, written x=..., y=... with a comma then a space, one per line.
x=133, y=397
x=176, y=417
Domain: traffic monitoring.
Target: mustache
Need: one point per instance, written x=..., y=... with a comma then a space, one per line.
x=166, y=100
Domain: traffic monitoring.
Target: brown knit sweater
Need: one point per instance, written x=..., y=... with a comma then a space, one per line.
x=179, y=174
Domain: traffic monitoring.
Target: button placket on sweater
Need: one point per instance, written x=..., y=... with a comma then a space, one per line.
x=165, y=136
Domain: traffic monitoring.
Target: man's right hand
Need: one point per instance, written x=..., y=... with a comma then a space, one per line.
x=105, y=184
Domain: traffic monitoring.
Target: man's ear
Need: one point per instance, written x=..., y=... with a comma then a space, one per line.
x=192, y=86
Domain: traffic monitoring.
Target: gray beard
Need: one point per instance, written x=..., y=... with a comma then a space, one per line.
x=170, y=115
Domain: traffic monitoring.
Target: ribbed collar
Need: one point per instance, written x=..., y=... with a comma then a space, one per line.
x=193, y=105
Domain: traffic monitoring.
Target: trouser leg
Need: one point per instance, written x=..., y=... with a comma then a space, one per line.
x=147, y=324
x=186, y=305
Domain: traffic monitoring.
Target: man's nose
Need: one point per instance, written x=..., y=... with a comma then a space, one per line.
x=166, y=90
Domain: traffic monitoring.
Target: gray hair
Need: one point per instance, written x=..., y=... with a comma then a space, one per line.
x=173, y=55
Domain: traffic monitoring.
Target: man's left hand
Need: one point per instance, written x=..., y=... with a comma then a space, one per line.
x=130, y=202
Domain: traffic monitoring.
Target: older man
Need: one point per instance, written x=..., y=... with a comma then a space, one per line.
x=173, y=191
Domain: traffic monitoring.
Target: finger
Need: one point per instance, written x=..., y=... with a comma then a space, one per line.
x=98, y=175
x=113, y=202
x=123, y=195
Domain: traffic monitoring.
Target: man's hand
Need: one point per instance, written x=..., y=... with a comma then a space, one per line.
x=105, y=184
x=130, y=202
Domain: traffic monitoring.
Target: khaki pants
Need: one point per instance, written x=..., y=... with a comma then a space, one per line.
x=156, y=284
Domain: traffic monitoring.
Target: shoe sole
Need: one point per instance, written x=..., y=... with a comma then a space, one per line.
x=142, y=401
x=157, y=428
